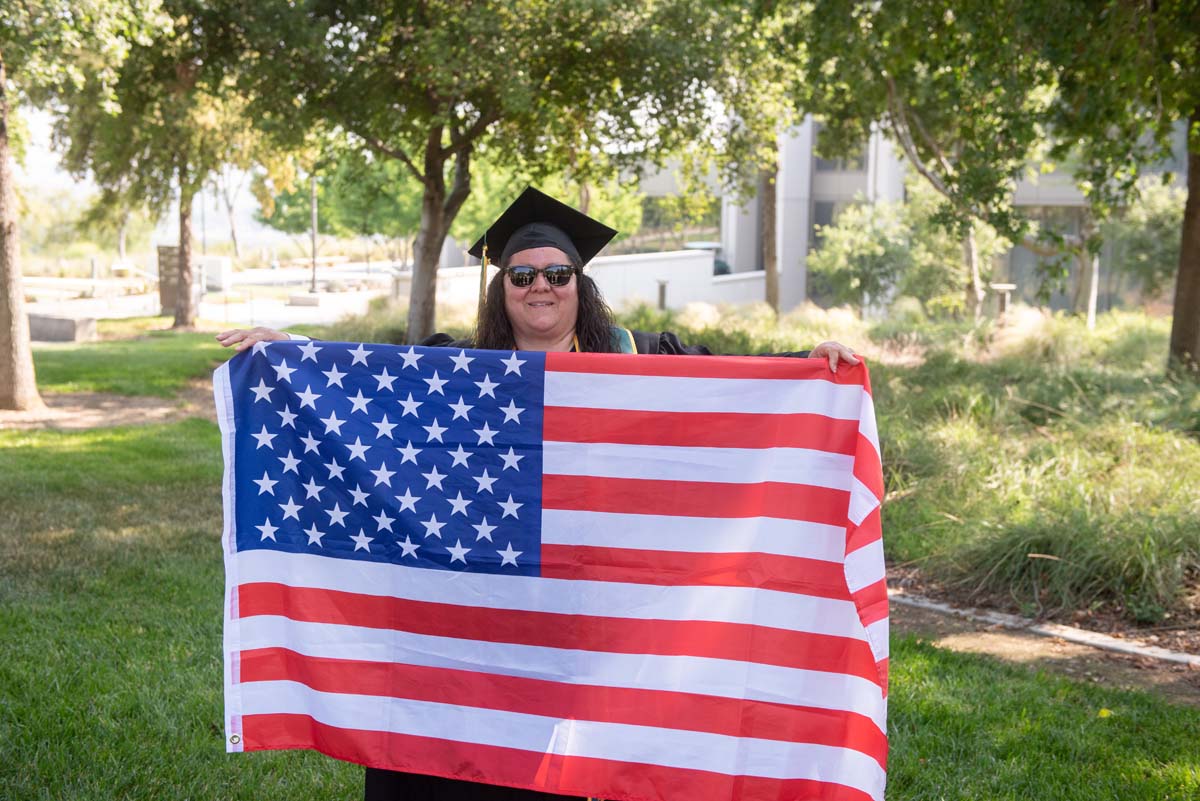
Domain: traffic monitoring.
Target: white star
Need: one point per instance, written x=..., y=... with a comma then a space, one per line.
x=310, y=443
x=360, y=354
x=262, y=391
x=434, y=478
x=384, y=379
x=383, y=475
x=512, y=364
x=459, y=505
x=512, y=412
x=384, y=428
x=314, y=536
x=332, y=423
x=487, y=386
x=460, y=456
x=312, y=489
x=308, y=398
x=288, y=416
x=458, y=553
x=359, y=402
x=510, y=507
x=362, y=541
x=265, y=484
x=408, y=547
x=360, y=497
x=259, y=347
x=511, y=459
x=335, y=469
x=486, y=433
x=435, y=431
x=268, y=531
x=291, y=509
x=461, y=409
x=461, y=361
x=282, y=371
x=485, y=481
x=408, y=453
x=508, y=556
x=383, y=521
x=408, y=500
x=336, y=515
x=410, y=405
x=435, y=384
x=358, y=450
x=333, y=376
x=309, y=351
x=432, y=526
x=484, y=531
x=411, y=358
x=264, y=439
x=290, y=463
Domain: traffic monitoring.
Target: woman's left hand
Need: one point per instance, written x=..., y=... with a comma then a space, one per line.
x=835, y=352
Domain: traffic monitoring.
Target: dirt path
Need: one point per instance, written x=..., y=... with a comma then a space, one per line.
x=74, y=411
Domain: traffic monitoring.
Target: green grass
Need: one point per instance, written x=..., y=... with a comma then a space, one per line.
x=110, y=676
x=158, y=363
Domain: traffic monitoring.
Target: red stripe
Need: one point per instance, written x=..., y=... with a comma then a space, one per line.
x=700, y=429
x=676, y=568
x=659, y=709
x=865, y=533
x=733, y=641
x=705, y=367
x=511, y=767
x=696, y=498
x=872, y=602
x=867, y=468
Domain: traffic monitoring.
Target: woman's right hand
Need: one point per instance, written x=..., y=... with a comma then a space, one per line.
x=242, y=338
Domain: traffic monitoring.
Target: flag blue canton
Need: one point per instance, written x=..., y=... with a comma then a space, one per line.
x=425, y=457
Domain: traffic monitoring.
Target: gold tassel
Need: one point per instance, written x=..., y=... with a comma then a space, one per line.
x=483, y=265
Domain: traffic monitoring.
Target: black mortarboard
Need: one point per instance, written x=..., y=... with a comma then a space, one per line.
x=537, y=220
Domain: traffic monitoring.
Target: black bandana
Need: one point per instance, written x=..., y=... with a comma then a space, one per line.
x=539, y=235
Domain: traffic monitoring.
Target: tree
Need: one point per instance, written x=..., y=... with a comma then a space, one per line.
x=46, y=46
x=963, y=89
x=178, y=121
x=1127, y=75
x=430, y=84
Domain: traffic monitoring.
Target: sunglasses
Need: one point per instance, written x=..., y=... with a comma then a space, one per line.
x=556, y=274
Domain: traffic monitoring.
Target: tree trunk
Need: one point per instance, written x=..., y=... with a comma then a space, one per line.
x=766, y=228
x=975, y=292
x=1093, y=289
x=237, y=251
x=185, y=308
x=312, y=188
x=438, y=210
x=122, y=230
x=1185, y=324
x=18, y=385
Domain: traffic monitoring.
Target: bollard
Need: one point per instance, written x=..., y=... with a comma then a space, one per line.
x=662, y=294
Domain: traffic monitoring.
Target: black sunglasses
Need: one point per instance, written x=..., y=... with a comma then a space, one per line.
x=556, y=274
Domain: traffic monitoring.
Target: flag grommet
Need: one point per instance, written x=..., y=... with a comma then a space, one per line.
x=235, y=738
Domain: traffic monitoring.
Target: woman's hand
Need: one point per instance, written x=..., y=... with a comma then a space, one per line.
x=242, y=338
x=835, y=352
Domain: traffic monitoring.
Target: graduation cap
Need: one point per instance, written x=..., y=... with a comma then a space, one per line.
x=537, y=220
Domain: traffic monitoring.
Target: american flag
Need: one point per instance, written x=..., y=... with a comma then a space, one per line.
x=628, y=577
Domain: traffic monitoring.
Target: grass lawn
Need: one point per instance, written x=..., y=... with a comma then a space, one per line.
x=110, y=676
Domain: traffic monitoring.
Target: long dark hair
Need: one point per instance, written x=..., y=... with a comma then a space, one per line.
x=593, y=326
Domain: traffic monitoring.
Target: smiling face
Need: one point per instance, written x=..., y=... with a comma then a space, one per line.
x=543, y=317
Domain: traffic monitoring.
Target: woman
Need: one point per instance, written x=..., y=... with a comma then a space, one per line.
x=540, y=300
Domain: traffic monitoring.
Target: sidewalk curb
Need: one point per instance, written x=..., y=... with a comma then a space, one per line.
x=1069, y=633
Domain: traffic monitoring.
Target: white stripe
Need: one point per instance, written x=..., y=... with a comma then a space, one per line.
x=723, y=465
x=722, y=678
x=223, y=398
x=866, y=422
x=862, y=501
x=877, y=635
x=748, y=605
x=675, y=748
x=695, y=534
x=865, y=566
x=674, y=394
